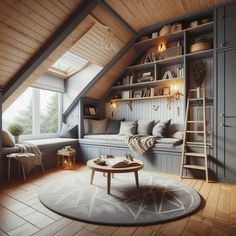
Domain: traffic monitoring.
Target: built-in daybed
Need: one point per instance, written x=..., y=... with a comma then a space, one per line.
x=164, y=156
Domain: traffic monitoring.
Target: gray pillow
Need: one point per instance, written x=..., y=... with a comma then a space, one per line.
x=145, y=127
x=98, y=126
x=113, y=126
x=128, y=128
x=68, y=131
x=7, y=139
x=160, y=129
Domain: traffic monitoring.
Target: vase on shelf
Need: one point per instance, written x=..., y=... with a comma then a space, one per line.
x=198, y=92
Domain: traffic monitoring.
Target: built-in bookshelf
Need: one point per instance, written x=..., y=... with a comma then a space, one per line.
x=160, y=73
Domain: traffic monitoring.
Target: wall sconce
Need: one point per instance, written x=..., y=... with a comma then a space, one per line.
x=113, y=105
x=161, y=47
x=176, y=92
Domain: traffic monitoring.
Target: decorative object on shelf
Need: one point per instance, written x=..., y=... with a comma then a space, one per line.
x=194, y=24
x=152, y=92
x=172, y=52
x=180, y=72
x=155, y=108
x=165, y=30
x=143, y=38
x=154, y=35
x=205, y=21
x=126, y=94
x=16, y=130
x=113, y=105
x=167, y=75
x=175, y=28
x=138, y=94
x=199, y=73
x=201, y=45
x=92, y=111
x=166, y=91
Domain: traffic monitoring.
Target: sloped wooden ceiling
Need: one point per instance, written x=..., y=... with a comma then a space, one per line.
x=142, y=13
x=90, y=47
x=25, y=25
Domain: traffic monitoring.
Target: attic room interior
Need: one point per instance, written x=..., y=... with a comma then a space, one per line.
x=117, y=117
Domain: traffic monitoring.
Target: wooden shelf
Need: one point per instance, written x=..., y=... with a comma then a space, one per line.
x=200, y=54
x=178, y=35
x=142, y=98
x=168, y=61
x=144, y=84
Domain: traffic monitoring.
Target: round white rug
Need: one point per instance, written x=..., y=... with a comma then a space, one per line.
x=157, y=200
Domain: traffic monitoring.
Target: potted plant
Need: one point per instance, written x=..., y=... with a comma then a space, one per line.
x=199, y=73
x=16, y=130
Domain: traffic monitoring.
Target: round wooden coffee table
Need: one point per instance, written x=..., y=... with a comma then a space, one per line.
x=110, y=170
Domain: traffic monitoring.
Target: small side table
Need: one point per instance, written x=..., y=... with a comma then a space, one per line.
x=65, y=155
x=17, y=157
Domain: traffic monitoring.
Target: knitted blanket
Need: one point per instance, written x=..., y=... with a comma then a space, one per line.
x=141, y=143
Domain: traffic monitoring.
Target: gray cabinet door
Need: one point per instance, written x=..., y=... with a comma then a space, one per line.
x=226, y=26
x=227, y=114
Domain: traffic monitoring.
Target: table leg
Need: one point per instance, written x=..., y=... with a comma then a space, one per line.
x=9, y=169
x=108, y=182
x=136, y=178
x=92, y=176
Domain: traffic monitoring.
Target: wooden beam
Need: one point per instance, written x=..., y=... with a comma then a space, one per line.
x=100, y=75
x=116, y=16
x=76, y=18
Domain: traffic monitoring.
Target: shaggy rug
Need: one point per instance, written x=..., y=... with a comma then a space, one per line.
x=158, y=199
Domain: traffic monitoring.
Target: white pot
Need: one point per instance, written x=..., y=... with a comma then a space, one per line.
x=16, y=139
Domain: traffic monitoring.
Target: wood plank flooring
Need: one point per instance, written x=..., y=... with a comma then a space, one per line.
x=22, y=214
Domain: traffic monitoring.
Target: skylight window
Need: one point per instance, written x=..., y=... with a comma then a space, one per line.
x=68, y=65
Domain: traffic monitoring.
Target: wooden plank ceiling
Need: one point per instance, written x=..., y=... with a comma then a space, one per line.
x=142, y=13
x=25, y=25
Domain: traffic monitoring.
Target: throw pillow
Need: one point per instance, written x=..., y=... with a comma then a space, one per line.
x=98, y=126
x=128, y=128
x=68, y=131
x=7, y=139
x=160, y=129
x=145, y=127
x=113, y=126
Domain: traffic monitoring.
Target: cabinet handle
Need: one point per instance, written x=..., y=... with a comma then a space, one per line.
x=222, y=114
x=222, y=124
x=222, y=45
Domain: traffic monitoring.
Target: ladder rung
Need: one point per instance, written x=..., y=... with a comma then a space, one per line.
x=195, y=131
x=195, y=167
x=195, y=143
x=195, y=121
x=195, y=99
x=195, y=154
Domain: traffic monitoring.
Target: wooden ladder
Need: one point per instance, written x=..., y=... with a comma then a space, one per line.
x=185, y=153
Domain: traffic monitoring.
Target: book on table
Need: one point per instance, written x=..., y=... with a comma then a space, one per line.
x=119, y=162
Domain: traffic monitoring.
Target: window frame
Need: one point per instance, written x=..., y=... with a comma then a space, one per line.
x=36, y=117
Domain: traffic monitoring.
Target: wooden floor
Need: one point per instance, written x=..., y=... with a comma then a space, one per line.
x=21, y=213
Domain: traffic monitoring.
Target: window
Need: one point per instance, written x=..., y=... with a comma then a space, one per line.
x=38, y=111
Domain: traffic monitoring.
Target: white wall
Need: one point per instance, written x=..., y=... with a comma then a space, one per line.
x=76, y=83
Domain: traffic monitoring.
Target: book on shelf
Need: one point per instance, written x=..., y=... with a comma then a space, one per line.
x=119, y=162
x=127, y=94
x=152, y=92
x=180, y=72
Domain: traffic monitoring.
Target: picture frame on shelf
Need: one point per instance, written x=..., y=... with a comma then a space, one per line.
x=138, y=94
x=92, y=111
x=166, y=91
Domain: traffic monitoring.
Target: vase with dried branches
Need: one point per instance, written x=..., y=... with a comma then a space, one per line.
x=199, y=73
